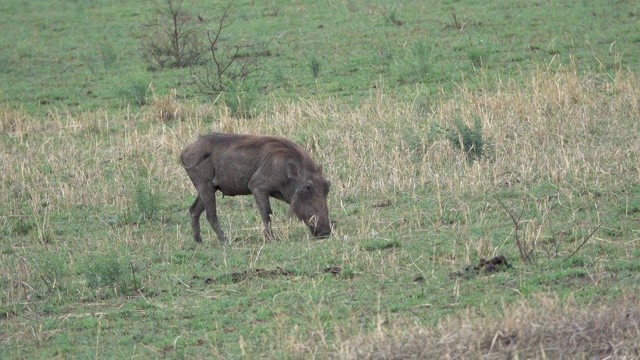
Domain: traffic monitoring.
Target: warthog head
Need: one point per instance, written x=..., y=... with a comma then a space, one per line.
x=309, y=201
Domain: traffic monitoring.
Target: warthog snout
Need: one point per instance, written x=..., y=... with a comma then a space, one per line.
x=321, y=233
x=320, y=229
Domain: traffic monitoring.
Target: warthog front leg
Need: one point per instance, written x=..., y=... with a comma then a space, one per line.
x=262, y=199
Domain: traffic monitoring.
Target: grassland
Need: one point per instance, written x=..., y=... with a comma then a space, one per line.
x=96, y=255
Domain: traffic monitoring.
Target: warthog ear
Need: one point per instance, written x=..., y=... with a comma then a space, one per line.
x=292, y=170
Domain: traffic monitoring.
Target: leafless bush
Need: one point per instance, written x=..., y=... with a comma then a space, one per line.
x=525, y=248
x=230, y=69
x=175, y=40
x=527, y=244
x=457, y=23
x=226, y=66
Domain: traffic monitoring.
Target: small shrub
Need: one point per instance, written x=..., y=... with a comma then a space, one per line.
x=241, y=100
x=421, y=55
x=457, y=22
x=478, y=57
x=347, y=274
x=383, y=59
x=5, y=65
x=135, y=90
x=393, y=19
x=417, y=66
x=146, y=201
x=109, y=270
x=381, y=245
x=22, y=227
x=390, y=16
x=108, y=55
x=468, y=140
x=315, y=67
x=279, y=75
x=52, y=268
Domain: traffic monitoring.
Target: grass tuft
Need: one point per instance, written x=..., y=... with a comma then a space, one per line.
x=469, y=140
x=167, y=107
x=108, y=274
x=381, y=245
x=314, y=65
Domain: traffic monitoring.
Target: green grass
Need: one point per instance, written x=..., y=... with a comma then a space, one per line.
x=96, y=254
x=87, y=56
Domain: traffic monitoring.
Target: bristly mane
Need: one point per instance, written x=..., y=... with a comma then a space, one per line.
x=262, y=146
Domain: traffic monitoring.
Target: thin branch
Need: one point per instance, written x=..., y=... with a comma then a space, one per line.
x=583, y=242
x=524, y=253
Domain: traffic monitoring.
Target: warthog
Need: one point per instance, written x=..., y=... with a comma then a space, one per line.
x=260, y=165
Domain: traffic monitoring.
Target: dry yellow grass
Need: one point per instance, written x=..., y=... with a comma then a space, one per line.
x=558, y=126
x=544, y=330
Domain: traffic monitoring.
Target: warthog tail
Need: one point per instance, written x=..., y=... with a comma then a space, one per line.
x=193, y=155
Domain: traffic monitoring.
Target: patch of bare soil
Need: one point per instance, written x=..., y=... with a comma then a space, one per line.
x=498, y=263
x=237, y=277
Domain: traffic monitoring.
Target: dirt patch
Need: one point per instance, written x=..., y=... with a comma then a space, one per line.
x=237, y=277
x=496, y=264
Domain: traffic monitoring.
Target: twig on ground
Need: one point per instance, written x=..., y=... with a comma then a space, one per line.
x=583, y=242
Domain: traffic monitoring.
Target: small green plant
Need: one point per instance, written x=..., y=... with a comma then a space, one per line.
x=477, y=56
x=278, y=75
x=393, y=19
x=314, y=65
x=468, y=140
x=22, y=226
x=108, y=55
x=347, y=274
x=417, y=65
x=390, y=16
x=135, y=90
x=421, y=66
x=241, y=100
x=5, y=65
x=383, y=59
x=52, y=268
x=146, y=201
x=381, y=244
x=108, y=270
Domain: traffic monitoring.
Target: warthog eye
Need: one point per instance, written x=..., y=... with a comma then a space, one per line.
x=307, y=189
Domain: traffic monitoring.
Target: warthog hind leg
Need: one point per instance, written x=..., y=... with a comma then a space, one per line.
x=206, y=200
